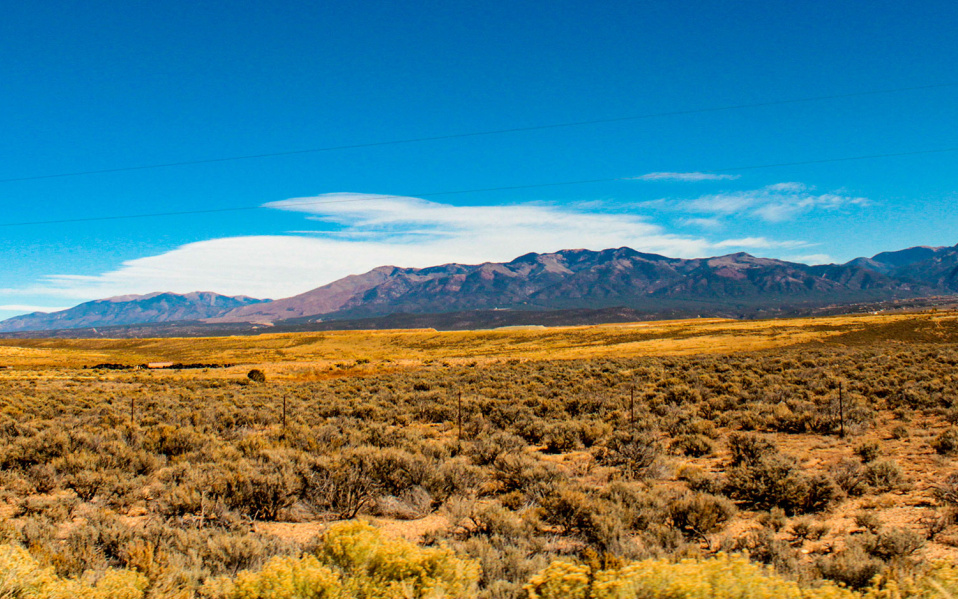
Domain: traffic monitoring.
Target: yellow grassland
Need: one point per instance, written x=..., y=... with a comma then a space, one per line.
x=292, y=354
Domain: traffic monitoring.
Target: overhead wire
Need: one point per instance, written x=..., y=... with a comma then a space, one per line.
x=371, y=197
x=477, y=133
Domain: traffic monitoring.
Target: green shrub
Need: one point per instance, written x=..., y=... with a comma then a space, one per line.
x=261, y=491
x=699, y=480
x=342, y=484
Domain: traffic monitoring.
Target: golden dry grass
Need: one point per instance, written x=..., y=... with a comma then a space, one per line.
x=293, y=354
x=47, y=368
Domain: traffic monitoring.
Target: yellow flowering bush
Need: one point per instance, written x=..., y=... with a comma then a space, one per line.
x=560, y=579
x=377, y=567
x=354, y=561
x=281, y=578
x=940, y=582
x=721, y=577
x=22, y=577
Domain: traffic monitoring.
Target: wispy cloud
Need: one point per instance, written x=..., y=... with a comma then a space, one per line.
x=774, y=203
x=704, y=223
x=811, y=259
x=758, y=243
x=369, y=231
x=686, y=177
x=27, y=308
x=362, y=231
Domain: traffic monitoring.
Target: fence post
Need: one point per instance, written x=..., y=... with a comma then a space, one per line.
x=841, y=411
x=459, y=417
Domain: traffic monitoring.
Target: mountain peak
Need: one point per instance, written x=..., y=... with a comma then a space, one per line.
x=737, y=284
x=130, y=309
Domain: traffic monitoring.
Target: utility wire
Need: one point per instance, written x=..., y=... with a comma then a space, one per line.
x=478, y=133
x=367, y=198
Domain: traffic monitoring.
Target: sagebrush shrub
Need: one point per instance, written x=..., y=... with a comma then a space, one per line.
x=700, y=514
x=775, y=481
x=946, y=443
x=748, y=449
x=633, y=453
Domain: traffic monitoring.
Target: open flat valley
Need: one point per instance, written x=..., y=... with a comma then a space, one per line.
x=816, y=452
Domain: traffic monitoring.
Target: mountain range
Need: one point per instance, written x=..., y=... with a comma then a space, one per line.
x=131, y=309
x=736, y=285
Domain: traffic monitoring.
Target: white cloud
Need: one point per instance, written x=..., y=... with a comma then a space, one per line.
x=21, y=308
x=369, y=231
x=686, y=177
x=811, y=259
x=774, y=203
x=705, y=223
x=363, y=231
x=757, y=243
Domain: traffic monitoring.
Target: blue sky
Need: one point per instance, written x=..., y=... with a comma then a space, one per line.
x=103, y=85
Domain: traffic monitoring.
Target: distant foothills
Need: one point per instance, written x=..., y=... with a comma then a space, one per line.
x=565, y=287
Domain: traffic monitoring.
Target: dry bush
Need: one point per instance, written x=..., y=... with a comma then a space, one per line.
x=204, y=459
x=699, y=515
x=633, y=453
x=946, y=443
x=764, y=479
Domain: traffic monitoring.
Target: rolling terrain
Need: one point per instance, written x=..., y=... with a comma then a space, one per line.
x=565, y=287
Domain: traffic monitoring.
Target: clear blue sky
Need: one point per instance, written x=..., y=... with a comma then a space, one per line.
x=101, y=85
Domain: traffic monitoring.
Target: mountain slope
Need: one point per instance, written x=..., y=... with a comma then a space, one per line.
x=130, y=309
x=736, y=285
x=583, y=279
x=322, y=300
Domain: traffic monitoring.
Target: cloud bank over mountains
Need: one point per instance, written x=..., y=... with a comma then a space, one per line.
x=357, y=232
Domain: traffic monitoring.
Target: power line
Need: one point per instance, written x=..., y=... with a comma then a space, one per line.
x=478, y=133
x=368, y=198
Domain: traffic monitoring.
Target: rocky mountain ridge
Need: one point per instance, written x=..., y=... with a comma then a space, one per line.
x=735, y=285
x=131, y=309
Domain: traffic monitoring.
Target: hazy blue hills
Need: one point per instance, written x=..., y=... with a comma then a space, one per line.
x=130, y=309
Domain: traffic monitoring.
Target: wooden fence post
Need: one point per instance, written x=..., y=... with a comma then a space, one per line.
x=841, y=411
x=459, y=417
